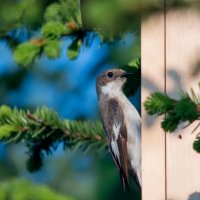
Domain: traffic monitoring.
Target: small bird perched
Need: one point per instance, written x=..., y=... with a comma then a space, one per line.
x=121, y=123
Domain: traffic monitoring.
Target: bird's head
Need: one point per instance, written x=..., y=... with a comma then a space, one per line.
x=111, y=80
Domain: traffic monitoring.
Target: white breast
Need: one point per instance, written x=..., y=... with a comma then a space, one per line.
x=133, y=125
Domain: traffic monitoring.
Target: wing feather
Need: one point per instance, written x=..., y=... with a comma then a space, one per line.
x=115, y=128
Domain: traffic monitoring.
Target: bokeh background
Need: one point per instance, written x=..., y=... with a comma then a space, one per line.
x=69, y=88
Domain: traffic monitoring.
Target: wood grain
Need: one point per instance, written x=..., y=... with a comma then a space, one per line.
x=153, y=137
x=182, y=59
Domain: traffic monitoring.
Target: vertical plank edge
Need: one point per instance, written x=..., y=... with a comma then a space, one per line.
x=153, y=79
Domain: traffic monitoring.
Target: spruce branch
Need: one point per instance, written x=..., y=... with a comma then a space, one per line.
x=42, y=131
x=184, y=110
x=63, y=19
x=134, y=82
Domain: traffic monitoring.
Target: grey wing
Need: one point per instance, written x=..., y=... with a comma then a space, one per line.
x=116, y=132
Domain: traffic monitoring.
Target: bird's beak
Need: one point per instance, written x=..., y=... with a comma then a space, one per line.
x=126, y=74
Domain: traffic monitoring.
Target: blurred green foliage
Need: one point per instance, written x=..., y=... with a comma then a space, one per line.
x=56, y=19
x=52, y=49
x=54, y=30
x=72, y=173
x=64, y=11
x=16, y=14
x=74, y=48
x=26, y=53
x=134, y=81
x=21, y=189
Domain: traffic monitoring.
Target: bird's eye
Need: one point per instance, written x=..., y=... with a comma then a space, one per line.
x=110, y=74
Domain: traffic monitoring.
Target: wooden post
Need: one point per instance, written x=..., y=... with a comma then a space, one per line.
x=170, y=55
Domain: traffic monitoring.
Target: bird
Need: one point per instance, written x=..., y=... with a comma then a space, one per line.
x=121, y=123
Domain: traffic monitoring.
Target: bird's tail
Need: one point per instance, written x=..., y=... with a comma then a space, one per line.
x=135, y=177
x=124, y=182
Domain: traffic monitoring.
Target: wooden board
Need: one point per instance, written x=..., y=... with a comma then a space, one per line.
x=182, y=57
x=153, y=137
x=170, y=59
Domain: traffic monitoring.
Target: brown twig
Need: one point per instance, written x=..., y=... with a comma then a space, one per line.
x=196, y=127
x=188, y=124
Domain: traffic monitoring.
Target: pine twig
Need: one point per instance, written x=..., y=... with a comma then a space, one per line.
x=186, y=109
x=196, y=127
x=42, y=131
